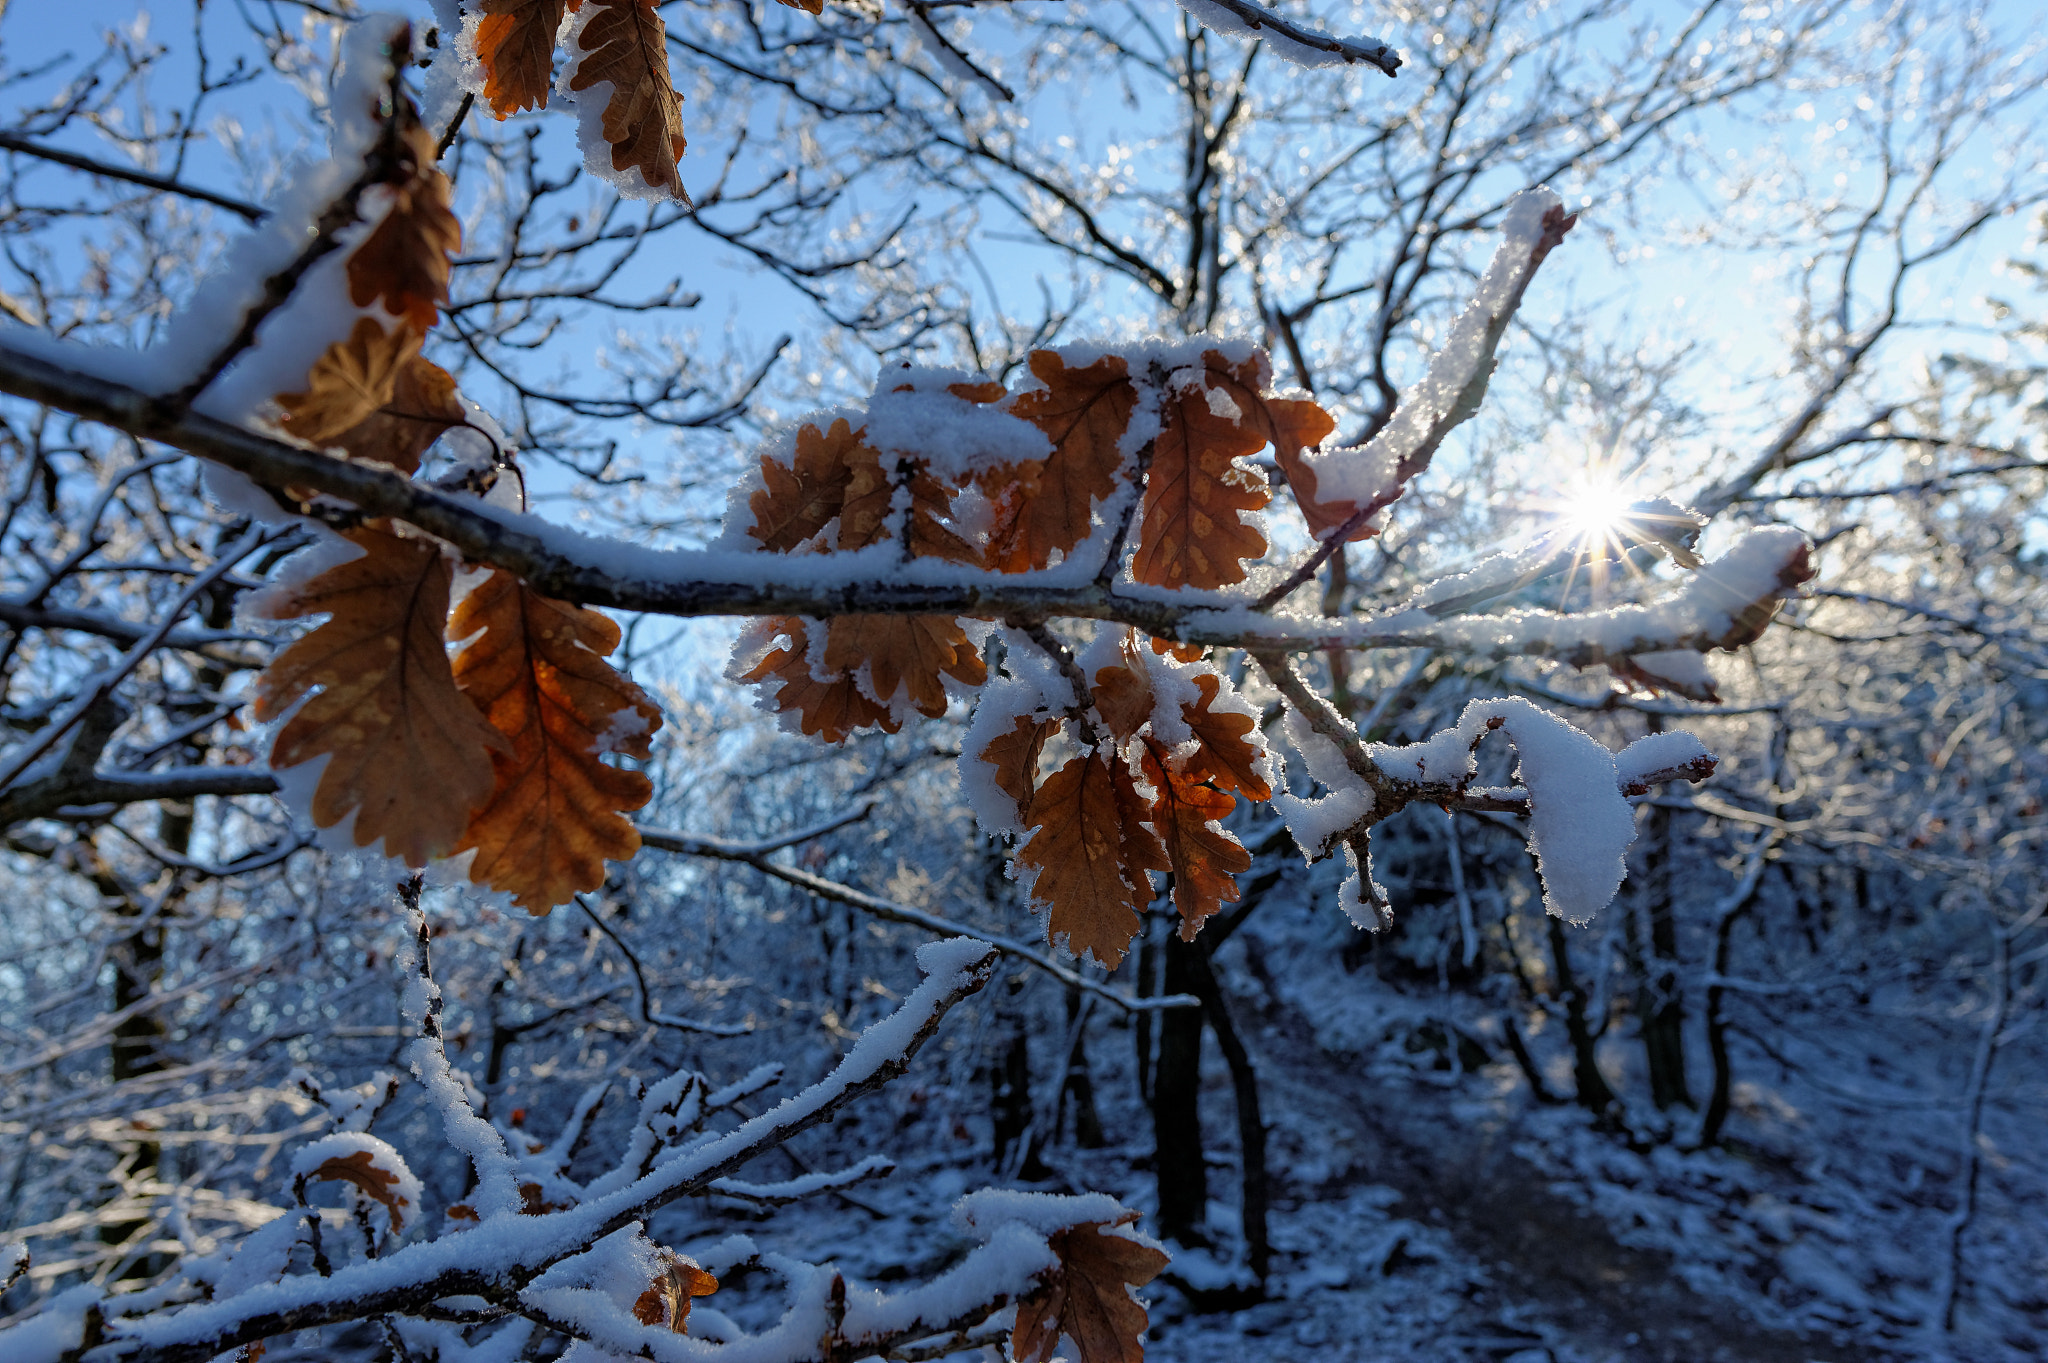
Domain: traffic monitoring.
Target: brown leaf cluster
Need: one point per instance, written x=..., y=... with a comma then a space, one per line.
x=1088, y=1297
x=832, y=490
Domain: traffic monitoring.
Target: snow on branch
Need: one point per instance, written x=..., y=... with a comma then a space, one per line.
x=1288, y=40
x=563, y=1257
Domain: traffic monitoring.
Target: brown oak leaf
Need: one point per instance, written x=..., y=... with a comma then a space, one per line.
x=1084, y=413
x=1091, y=850
x=1124, y=698
x=667, y=1301
x=1014, y=755
x=1192, y=533
x=409, y=756
x=369, y=1178
x=798, y=499
x=1088, y=1297
x=536, y=669
x=830, y=709
x=515, y=41
x=1292, y=426
x=405, y=261
x=625, y=43
x=423, y=404
x=1204, y=860
x=908, y=652
x=1223, y=757
x=349, y=383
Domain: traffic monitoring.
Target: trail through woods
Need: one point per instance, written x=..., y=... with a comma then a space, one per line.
x=1557, y=1284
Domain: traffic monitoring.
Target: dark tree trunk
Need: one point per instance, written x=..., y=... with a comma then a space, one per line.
x=1251, y=1128
x=1142, y=1030
x=1080, y=1085
x=1593, y=1092
x=1660, y=1001
x=1176, y=1103
x=1016, y=1137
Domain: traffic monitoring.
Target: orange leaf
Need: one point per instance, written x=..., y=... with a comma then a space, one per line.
x=904, y=652
x=1192, y=534
x=1124, y=698
x=667, y=1302
x=1014, y=755
x=349, y=383
x=536, y=668
x=515, y=41
x=1204, y=860
x=625, y=43
x=1084, y=413
x=798, y=499
x=369, y=1178
x=1291, y=425
x=423, y=404
x=1179, y=652
x=1088, y=1297
x=830, y=709
x=1091, y=850
x=1223, y=757
x=404, y=262
x=410, y=756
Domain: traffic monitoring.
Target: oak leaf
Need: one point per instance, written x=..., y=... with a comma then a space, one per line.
x=1015, y=755
x=1124, y=698
x=625, y=44
x=536, y=669
x=1192, y=533
x=1091, y=850
x=830, y=709
x=350, y=382
x=1088, y=1297
x=1292, y=426
x=911, y=653
x=1223, y=755
x=1084, y=412
x=1204, y=860
x=409, y=756
x=667, y=1301
x=369, y=1178
x=798, y=499
x=515, y=42
x=405, y=261
x=422, y=405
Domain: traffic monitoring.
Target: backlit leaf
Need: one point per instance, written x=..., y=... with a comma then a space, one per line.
x=1084, y=413
x=536, y=668
x=515, y=41
x=1204, y=860
x=349, y=383
x=1091, y=849
x=409, y=756
x=625, y=44
x=405, y=261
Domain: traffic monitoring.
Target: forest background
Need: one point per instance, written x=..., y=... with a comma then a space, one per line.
x=1780, y=1099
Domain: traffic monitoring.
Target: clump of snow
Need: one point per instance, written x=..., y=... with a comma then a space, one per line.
x=1316, y=822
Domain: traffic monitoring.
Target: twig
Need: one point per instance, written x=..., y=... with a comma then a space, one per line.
x=17, y=143
x=649, y=1013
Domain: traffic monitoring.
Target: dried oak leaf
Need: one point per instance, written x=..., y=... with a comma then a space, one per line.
x=625, y=43
x=798, y=499
x=410, y=757
x=667, y=1301
x=831, y=709
x=423, y=404
x=1205, y=861
x=405, y=261
x=1292, y=426
x=1124, y=698
x=536, y=669
x=870, y=497
x=1222, y=756
x=349, y=383
x=1088, y=1297
x=1014, y=755
x=1192, y=533
x=1084, y=413
x=1091, y=850
x=369, y=1178
x=515, y=42
x=912, y=653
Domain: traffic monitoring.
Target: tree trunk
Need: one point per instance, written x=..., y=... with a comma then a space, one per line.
x=1593, y=1092
x=1251, y=1128
x=1079, y=1084
x=1176, y=1104
x=1660, y=1001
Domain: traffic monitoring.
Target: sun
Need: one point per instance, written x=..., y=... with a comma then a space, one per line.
x=1594, y=507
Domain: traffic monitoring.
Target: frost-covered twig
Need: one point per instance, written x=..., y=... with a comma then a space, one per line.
x=650, y=1012
x=1292, y=42
x=14, y=142
x=699, y=845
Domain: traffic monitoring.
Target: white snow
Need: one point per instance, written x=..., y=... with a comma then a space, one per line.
x=1222, y=20
x=1318, y=821
x=345, y=1145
